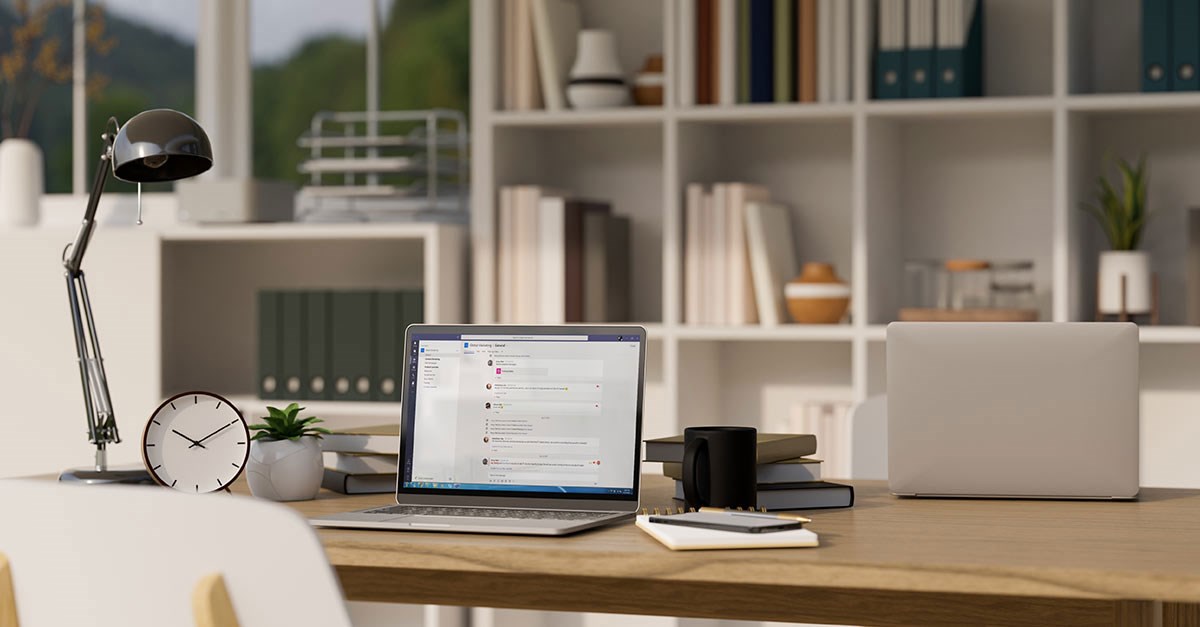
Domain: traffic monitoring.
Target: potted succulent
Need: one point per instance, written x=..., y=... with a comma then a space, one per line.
x=1123, y=214
x=285, y=456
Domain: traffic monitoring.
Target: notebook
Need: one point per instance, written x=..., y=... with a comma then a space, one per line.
x=680, y=538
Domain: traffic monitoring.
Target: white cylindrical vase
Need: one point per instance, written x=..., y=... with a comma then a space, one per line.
x=1134, y=265
x=596, y=80
x=283, y=470
x=21, y=182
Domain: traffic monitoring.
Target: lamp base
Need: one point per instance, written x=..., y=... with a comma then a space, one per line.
x=91, y=476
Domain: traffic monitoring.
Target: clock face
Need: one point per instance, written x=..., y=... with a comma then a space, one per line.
x=196, y=442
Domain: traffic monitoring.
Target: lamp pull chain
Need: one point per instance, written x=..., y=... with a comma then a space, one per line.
x=139, y=221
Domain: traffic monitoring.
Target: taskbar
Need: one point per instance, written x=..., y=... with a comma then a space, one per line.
x=442, y=485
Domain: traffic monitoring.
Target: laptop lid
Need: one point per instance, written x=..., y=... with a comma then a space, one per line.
x=522, y=416
x=1013, y=409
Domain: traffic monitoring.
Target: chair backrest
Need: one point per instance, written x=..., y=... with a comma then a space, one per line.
x=869, y=439
x=131, y=556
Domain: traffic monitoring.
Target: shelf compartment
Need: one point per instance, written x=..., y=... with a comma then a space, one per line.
x=1104, y=46
x=759, y=333
x=591, y=118
x=952, y=188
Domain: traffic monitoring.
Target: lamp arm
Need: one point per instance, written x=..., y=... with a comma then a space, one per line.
x=84, y=237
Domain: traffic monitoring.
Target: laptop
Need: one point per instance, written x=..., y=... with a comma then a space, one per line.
x=1021, y=410
x=515, y=429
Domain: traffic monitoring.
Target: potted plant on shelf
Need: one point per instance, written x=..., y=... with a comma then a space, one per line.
x=285, y=456
x=1123, y=215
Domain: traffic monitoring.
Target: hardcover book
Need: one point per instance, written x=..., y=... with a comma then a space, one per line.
x=772, y=447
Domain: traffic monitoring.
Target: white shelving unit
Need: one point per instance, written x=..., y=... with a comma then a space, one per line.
x=871, y=183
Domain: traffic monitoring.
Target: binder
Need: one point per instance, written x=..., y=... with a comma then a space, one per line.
x=1156, y=45
x=1185, y=45
x=268, y=345
x=316, y=346
x=959, y=56
x=762, y=51
x=352, y=359
x=785, y=51
x=291, y=344
x=387, y=347
x=412, y=310
x=919, y=58
x=889, y=53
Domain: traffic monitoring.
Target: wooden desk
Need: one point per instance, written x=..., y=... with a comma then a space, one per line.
x=887, y=561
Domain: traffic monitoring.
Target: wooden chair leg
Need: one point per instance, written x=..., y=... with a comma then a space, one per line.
x=8, y=596
x=211, y=606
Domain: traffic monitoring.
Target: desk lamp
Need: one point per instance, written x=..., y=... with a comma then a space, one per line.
x=152, y=147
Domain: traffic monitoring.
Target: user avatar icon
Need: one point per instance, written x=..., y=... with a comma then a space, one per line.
x=485, y=461
x=488, y=386
x=486, y=439
x=487, y=405
x=490, y=362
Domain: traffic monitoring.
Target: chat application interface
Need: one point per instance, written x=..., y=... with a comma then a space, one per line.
x=531, y=413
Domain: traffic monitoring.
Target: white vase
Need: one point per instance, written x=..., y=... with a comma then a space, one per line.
x=21, y=182
x=284, y=470
x=596, y=80
x=1134, y=265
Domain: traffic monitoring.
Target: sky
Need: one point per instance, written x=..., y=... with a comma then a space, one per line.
x=277, y=26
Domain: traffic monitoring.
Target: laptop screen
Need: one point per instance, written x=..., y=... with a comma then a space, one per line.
x=543, y=414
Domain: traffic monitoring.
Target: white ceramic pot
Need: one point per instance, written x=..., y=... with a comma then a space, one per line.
x=21, y=182
x=284, y=470
x=596, y=80
x=1134, y=265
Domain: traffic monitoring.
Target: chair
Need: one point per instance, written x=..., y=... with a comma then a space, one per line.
x=140, y=556
x=868, y=439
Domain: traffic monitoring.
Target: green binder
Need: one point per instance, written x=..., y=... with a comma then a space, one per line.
x=291, y=345
x=352, y=358
x=316, y=346
x=388, y=325
x=268, y=345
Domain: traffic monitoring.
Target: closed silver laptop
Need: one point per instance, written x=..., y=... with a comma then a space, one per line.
x=1042, y=410
x=515, y=429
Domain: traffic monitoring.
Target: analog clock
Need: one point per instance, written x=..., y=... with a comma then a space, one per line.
x=196, y=442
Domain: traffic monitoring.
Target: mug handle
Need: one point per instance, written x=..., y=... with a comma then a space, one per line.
x=695, y=454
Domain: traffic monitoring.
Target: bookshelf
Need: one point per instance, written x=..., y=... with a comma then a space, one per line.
x=870, y=184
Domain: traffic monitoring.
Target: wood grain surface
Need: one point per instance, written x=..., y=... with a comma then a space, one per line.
x=887, y=561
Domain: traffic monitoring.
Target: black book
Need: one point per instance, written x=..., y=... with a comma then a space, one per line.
x=347, y=483
x=804, y=495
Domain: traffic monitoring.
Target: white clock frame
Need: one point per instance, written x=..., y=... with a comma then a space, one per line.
x=161, y=423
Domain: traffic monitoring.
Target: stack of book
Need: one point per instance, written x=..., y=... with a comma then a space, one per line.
x=738, y=255
x=327, y=345
x=739, y=51
x=1170, y=45
x=539, y=48
x=929, y=49
x=788, y=478
x=560, y=259
x=363, y=460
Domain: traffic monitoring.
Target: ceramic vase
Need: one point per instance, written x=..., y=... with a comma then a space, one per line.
x=817, y=296
x=21, y=182
x=1134, y=265
x=596, y=80
x=648, y=84
x=283, y=470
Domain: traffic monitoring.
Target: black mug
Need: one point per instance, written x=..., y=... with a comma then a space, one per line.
x=720, y=466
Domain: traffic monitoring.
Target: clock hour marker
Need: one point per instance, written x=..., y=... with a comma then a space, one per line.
x=241, y=442
x=195, y=400
x=233, y=464
x=149, y=445
x=218, y=404
x=173, y=406
x=157, y=467
x=197, y=487
x=156, y=422
x=173, y=482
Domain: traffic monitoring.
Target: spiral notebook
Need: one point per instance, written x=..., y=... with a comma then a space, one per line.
x=680, y=538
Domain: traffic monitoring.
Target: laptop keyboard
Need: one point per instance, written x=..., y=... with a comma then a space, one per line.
x=486, y=512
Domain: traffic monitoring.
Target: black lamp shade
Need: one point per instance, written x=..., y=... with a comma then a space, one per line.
x=160, y=145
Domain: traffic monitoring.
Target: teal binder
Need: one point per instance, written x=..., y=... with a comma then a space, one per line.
x=269, y=329
x=889, y=74
x=959, y=71
x=919, y=64
x=352, y=358
x=1156, y=45
x=412, y=306
x=291, y=343
x=316, y=346
x=1185, y=45
x=388, y=325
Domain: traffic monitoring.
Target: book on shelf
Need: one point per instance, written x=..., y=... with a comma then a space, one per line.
x=783, y=471
x=772, y=258
x=740, y=306
x=556, y=25
x=765, y=51
x=525, y=81
x=347, y=483
x=772, y=447
x=560, y=259
x=798, y=495
x=361, y=463
x=380, y=439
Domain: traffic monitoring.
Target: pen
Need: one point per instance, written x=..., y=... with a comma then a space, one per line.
x=721, y=510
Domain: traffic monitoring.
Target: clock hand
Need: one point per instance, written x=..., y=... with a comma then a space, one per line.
x=198, y=442
x=194, y=443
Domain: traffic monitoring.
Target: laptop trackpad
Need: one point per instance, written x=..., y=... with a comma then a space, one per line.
x=450, y=521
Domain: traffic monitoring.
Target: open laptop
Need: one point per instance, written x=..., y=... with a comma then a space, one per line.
x=1022, y=410
x=515, y=429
